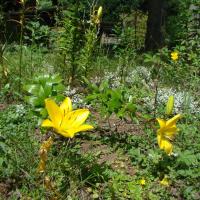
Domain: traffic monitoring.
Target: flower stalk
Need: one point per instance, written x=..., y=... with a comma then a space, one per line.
x=21, y=22
x=43, y=154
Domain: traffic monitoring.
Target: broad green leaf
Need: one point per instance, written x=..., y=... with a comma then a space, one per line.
x=131, y=107
x=104, y=85
x=58, y=88
x=34, y=101
x=43, y=112
x=32, y=89
x=90, y=85
x=91, y=97
x=47, y=89
x=59, y=98
x=55, y=79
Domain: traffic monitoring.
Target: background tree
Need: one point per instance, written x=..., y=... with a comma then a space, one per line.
x=155, y=23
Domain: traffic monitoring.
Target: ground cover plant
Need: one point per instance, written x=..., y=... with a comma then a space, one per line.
x=91, y=107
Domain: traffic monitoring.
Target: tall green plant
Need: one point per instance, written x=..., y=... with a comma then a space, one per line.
x=21, y=22
x=78, y=40
x=70, y=42
x=4, y=70
x=125, y=53
x=155, y=68
x=86, y=56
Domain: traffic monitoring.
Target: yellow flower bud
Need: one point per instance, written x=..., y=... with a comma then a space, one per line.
x=43, y=154
x=41, y=166
x=165, y=181
x=170, y=105
x=99, y=12
x=22, y=1
x=47, y=144
x=5, y=72
x=47, y=182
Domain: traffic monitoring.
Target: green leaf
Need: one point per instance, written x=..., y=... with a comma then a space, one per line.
x=131, y=107
x=34, y=101
x=56, y=79
x=90, y=85
x=121, y=113
x=32, y=89
x=43, y=112
x=58, y=88
x=59, y=98
x=104, y=85
x=47, y=89
x=91, y=97
x=3, y=147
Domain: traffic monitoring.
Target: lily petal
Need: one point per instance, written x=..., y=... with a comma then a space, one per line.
x=66, y=106
x=54, y=112
x=66, y=133
x=71, y=132
x=47, y=123
x=165, y=144
x=161, y=122
x=159, y=139
x=84, y=127
x=74, y=119
x=173, y=120
x=171, y=132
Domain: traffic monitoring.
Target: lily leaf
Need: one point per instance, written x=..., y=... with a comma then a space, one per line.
x=32, y=89
x=34, y=101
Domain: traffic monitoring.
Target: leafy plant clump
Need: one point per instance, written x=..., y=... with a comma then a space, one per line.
x=42, y=87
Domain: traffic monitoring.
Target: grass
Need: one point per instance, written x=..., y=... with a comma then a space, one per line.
x=101, y=164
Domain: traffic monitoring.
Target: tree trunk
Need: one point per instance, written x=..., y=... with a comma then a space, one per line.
x=155, y=22
x=55, y=2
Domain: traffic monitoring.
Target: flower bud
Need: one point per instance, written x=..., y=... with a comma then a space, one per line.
x=99, y=12
x=170, y=105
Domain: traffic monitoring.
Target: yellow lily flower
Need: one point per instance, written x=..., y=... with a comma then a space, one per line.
x=142, y=182
x=65, y=121
x=165, y=181
x=166, y=133
x=174, y=56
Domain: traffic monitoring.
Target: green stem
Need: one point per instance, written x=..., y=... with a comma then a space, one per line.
x=21, y=48
x=156, y=90
x=156, y=98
